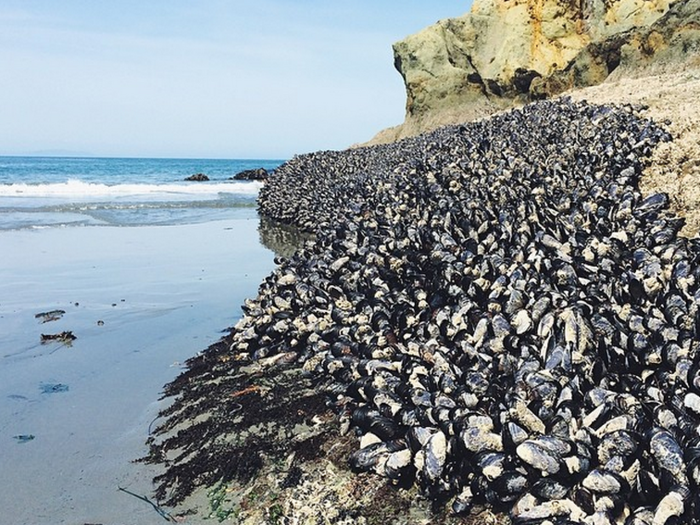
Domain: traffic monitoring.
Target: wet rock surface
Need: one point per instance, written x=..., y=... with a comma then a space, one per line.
x=52, y=315
x=254, y=174
x=197, y=177
x=494, y=308
x=66, y=337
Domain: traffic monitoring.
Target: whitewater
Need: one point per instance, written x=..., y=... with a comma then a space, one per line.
x=145, y=270
x=41, y=192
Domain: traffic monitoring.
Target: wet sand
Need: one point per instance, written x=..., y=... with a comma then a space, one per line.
x=140, y=300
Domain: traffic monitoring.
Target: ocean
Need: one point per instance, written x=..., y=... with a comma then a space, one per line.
x=143, y=270
x=38, y=192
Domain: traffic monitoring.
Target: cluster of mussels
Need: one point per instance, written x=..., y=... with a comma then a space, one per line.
x=500, y=314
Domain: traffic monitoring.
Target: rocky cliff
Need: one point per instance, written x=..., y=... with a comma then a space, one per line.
x=506, y=52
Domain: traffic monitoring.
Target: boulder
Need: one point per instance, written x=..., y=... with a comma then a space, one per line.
x=255, y=174
x=197, y=177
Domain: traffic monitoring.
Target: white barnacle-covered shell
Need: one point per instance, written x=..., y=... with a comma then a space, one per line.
x=590, y=418
x=287, y=279
x=526, y=503
x=435, y=456
x=492, y=465
x=483, y=422
x=397, y=461
x=668, y=454
x=339, y=263
x=546, y=324
x=526, y=417
x=692, y=401
x=522, y=322
x=419, y=460
x=517, y=433
x=547, y=461
x=602, y=482
x=576, y=329
x=478, y=439
x=574, y=464
x=666, y=418
x=480, y=332
x=622, y=422
x=672, y=505
x=551, y=509
x=369, y=439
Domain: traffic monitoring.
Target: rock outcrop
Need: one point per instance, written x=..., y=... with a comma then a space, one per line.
x=671, y=41
x=507, y=52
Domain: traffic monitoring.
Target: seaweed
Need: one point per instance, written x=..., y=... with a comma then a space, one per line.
x=227, y=419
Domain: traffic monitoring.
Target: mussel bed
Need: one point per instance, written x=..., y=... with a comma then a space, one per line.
x=498, y=312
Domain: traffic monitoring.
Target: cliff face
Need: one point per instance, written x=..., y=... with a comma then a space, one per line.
x=506, y=52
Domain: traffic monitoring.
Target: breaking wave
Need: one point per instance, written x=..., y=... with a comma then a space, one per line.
x=86, y=190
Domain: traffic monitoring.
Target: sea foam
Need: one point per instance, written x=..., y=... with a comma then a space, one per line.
x=80, y=189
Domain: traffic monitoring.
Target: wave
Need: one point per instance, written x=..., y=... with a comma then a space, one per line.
x=80, y=189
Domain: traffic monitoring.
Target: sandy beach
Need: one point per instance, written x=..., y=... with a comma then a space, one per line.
x=140, y=300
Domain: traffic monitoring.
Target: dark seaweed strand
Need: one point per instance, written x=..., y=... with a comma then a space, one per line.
x=502, y=279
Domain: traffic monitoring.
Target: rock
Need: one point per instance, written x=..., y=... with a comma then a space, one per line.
x=65, y=337
x=522, y=79
x=672, y=39
x=197, y=177
x=506, y=52
x=256, y=174
x=47, y=317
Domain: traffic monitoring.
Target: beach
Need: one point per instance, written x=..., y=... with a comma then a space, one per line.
x=140, y=301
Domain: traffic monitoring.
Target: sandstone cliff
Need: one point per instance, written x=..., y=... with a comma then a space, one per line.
x=507, y=52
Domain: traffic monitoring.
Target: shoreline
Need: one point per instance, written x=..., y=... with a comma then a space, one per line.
x=140, y=300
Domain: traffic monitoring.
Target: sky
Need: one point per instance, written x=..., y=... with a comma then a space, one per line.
x=202, y=78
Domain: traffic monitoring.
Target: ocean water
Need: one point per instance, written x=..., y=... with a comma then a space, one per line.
x=146, y=270
x=39, y=192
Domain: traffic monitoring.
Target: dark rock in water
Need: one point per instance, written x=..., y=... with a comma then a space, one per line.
x=53, y=315
x=256, y=174
x=65, y=337
x=198, y=177
x=496, y=307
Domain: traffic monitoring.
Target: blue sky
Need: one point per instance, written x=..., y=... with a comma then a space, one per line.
x=205, y=78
